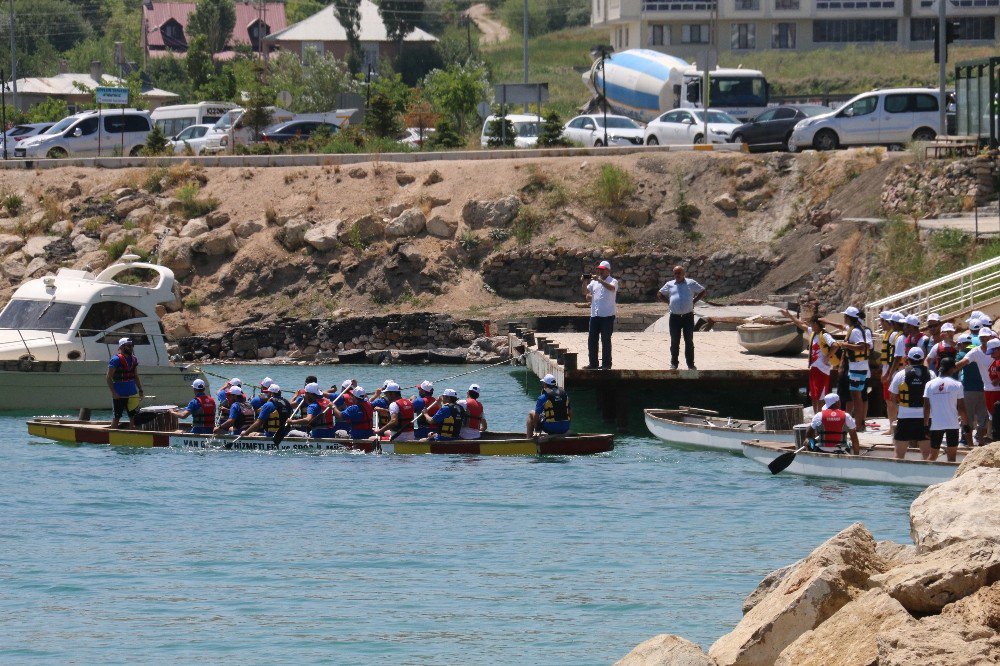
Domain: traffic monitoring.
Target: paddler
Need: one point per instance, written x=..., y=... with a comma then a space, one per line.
x=831, y=426
x=475, y=422
x=124, y=383
x=400, y=413
x=223, y=394
x=552, y=414
x=342, y=401
x=240, y=412
x=300, y=394
x=258, y=400
x=379, y=401
x=907, y=390
x=273, y=414
x=448, y=418
x=424, y=407
x=318, y=418
x=201, y=409
x=359, y=415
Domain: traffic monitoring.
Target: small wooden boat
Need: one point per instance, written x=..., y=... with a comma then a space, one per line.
x=877, y=464
x=770, y=338
x=492, y=444
x=705, y=428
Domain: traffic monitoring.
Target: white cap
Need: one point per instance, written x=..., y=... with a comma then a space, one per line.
x=915, y=354
x=273, y=388
x=985, y=321
x=198, y=384
x=912, y=320
x=236, y=381
x=267, y=381
x=312, y=387
x=898, y=317
x=851, y=312
x=235, y=390
x=964, y=338
x=605, y=265
x=550, y=380
x=976, y=314
x=885, y=315
x=387, y=382
x=934, y=316
x=359, y=392
x=992, y=346
x=831, y=399
x=391, y=387
x=975, y=324
x=987, y=333
x=947, y=326
x=450, y=393
x=124, y=341
x=427, y=386
x=344, y=384
x=475, y=388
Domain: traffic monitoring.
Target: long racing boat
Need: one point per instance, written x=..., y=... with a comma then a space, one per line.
x=74, y=431
x=706, y=429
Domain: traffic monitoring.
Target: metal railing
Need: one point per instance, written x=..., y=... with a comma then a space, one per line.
x=949, y=296
x=49, y=338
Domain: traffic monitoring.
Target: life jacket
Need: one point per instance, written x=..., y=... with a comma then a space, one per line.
x=451, y=425
x=405, y=415
x=277, y=418
x=824, y=350
x=994, y=372
x=911, y=391
x=889, y=339
x=915, y=341
x=325, y=417
x=348, y=399
x=367, y=413
x=854, y=356
x=125, y=372
x=473, y=413
x=245, y=417
x=557, y=409
x=944, y=350
x=834, y=433
x=205, y=418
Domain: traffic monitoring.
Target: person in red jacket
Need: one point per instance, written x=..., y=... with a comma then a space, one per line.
x=831, y=427
x=201, y=409
x=475, y=422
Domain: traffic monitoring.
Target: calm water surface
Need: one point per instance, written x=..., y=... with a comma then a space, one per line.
x=241, y=557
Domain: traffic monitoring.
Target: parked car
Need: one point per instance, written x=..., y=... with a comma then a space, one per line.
x=893, y=116
x=411, y=136
x=106, y=132
x=19, y=133
x=687, y=126
x=193, y=137
x=773, y=128
x=526, y=127
x=296, y=129
x=589, y=131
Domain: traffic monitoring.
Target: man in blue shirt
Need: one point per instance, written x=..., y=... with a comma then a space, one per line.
x=448, y=419
x=240, y=412
x=124, y=383
x=359, y=415
x=273, y=414
x=201, y=409
x=552, y=414
x=972, y=384
x=258, y=400
x=223, y=395
x=601, y=291
x=681, y=293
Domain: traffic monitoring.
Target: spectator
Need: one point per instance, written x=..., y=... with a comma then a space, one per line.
x=855, y=366
x=907, y=389
x=681, y=293
x=601, y=291
x=822, y=355
x=944, y=410
x=972, y=384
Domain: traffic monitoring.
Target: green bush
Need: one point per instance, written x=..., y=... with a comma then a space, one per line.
x=191, y=204
x=500, y=133
x=13, y=204
x=156, y=142
x=445, y=136
x=527, y=224
x=613, y=186
x=117, y=249
x=551, y=133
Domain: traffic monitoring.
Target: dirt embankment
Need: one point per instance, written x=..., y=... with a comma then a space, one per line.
x=382, y=237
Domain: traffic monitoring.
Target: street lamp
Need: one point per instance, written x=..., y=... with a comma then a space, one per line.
x=3, y=112
x=603, y=51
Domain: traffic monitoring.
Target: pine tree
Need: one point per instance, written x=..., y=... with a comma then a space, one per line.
x=500, y=133
x=551, y=134
x=156, y=142
x=446, y=136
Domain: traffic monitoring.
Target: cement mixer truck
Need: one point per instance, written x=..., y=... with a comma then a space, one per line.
x=642, y=84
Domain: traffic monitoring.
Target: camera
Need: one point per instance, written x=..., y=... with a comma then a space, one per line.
x=586, y=276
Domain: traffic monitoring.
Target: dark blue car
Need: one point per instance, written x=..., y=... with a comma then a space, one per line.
x=771, y=128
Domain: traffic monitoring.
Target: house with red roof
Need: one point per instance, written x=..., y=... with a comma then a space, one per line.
x=165, y=26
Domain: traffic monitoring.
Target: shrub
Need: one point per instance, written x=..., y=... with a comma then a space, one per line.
x=469, y=241
x=686, y=211
x=191, y=204
x=445, y=136
x=551, y=133
x=13, y=203
x=500, y=133
x=192, y=302
x=156, y=142
x=613, y=185
x=154, y=181
x=500, y=234
x=117, y=249
x=528, y=222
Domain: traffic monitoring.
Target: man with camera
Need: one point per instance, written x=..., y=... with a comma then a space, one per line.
x=601, y=290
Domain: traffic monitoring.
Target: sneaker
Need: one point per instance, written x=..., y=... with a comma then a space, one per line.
x=673, y=366
x=590, y=367
x=691, y=367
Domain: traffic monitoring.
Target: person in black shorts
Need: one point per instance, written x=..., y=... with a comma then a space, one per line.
x=944, y=410
x=907, y=390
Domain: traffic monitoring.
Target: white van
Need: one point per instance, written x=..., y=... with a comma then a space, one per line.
x=173, y=119
x=106, y=133
x=526, y=127
x=893, y=116
x=229, y=130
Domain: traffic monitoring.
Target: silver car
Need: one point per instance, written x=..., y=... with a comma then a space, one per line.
x=589, y=131
x=107, y=133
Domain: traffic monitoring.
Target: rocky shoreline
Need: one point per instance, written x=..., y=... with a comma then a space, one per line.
x=856, y=602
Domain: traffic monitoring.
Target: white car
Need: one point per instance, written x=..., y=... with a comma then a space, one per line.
x=106, y=133
x=589, y=131
x=411, y=136
x=19, y=133
x=526, y=128
x=193, y=137
x=881, y=117
x=687, y=126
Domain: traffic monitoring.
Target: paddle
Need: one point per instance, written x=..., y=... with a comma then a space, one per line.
x=782, y=462
x=284, y=429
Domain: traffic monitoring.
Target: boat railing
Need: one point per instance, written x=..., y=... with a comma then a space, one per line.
x=949, y=296
x=47, y=338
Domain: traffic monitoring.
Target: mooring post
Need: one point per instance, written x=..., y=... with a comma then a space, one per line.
x=84, y=414
x=569, y=362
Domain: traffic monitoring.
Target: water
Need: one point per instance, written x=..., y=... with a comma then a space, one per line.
x=225, y=557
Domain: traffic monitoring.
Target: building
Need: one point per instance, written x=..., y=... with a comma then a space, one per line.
x=72, y=89
x=165, y=26
x=684, y=28
x=323, y=33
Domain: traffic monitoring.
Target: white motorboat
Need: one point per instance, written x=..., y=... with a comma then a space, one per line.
x=770, y=338
x=876, y=464
x=706, y=429
x=58, y=332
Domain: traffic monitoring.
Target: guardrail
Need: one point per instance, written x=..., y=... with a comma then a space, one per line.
x=949, y=296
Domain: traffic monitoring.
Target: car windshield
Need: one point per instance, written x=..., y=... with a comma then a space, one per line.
x=43, y=315
x=720, y=117
x=617, y=123
x=227, y=119
x=526, y=128
x=738, y=91
x=62, y=125
x=811, y=111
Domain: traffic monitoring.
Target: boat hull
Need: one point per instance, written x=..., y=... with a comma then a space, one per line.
x=705, y=435
x=771, y=340
x=501, y=444
x=880, y=468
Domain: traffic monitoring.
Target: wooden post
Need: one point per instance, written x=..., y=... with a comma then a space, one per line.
x=84, y=414
x=540, y=341
x=569, y=363
x=529, y=337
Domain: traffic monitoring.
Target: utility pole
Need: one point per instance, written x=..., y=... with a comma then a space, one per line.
x=13, y=58
x=942, y=44
x=525, y=47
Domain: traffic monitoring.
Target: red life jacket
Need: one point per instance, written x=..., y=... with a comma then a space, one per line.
x=325, y=417
x=125, y=372
x=348, y=399
x=405, y=415
x=246, y=415
x=366, y=421
x=994, y=372
x=917, y=340
x=944, y=350
x=474, y=413
x=834, y=429
x=206, y=417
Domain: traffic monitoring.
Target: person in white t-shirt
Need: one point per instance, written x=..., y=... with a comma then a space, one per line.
x=985, y=356
x=602, y=292
x=907, y=389
x=944, y=410
x=822, y=350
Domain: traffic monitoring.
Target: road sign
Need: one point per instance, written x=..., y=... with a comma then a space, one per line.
x=521, y=93
x=285, y=99
x=111, y=95
x=484, y=110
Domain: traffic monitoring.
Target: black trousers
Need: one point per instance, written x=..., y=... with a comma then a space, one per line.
x=682, y=324
x=600, y=327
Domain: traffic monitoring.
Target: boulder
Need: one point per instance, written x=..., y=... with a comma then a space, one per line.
x=499, y=213
x=357, y=172
x=403, y=179
x=820, y=585
x=140, y=215
x=10, y=243
x=981, y=456
x=36, y=267
x=440, y=227
x=751, y=181
x=934, y=579
x=395, y=210
x=895, y=553
x=293, y=234
x=36, y=245
x=666, y=650
x=366, y=229
x=979, y=609
x=410, y=223
x=247, y=228
x=169, y=204
x=194, y=228
x=128, y=203
x=756, y=199
x=765, y=586
x=13, y=268
x=176, y=330
x=323, y=236
x=848, y=638
x=217, y=219
x=411, y=254
x=957, y=510
x=726, y=203
x=433, y=177
x=632, y=217
x=61, y=228
x=176, y=254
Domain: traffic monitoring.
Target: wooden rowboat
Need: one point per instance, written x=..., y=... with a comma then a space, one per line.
x=706, y=429
x=878, y=465
x=492, y=444
x=770, y=339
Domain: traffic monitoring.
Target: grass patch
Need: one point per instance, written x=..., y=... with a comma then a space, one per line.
x=622, y=243
x=500, y=234
x=117, y=249
x=192, y=302
x=785, y=230
x=686, y=211
x=469, y=241
x=527, y=224
x=613, y=185
x=191, y=204
x=13, y=203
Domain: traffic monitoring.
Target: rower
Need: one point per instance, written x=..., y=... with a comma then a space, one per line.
x=475, y=422
x=830, y=427
x=240, y=413
x=318, y=418
x=342, y=401
x=273, y=414
x=448, y=418
x=552, y=413
x=223, y=394
x=360, y=415
x=300, y=394
x=379, y=402
x=823, y=352
x=258, y=400
x=907, y=389
x=124, y=383
x=201, y=409
x=424, y=407
x=400, y=414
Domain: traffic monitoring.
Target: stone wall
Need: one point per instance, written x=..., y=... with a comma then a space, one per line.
x=556, y=274
x=934, y=187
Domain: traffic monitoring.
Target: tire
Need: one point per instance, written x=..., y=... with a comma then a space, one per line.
x=737, y=138
x=135, y=151
x=652, y=140
x=924, y=134
x=56, y=154
x=826, y=140
x=784, y=142
x=698, y=139
x=598, y=144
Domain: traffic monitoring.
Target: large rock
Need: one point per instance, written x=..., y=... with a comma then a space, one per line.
x=217, y=219
x=442, y=228
x=293, y=234
x=36, y=267
x=410, y=223
x=83, y=244
x=36, y=245
x=981, y=456
x=824, y=582
x=176, y=254
x=9, y=243
x=499, y=213
x=323, y=237
x=127, y=204
x=848, y=637
x=957, y=510
x=140, y=215
x=247, y=228
x=726, y=202
x=366, y=229
x=13, y=268
x=666, y=650
x=771, y=581
x=934, y=579
x=194, y=228
x=216, y=243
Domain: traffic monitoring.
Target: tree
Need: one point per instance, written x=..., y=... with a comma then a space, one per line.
x=421, y=114
x=299, y=10
x=349, y=15
x=198, y=62
x=314, y=84
x=445, y=136
x=156, y=142
x=551, y=134
x=457, y=45
x=400, y=17
x=170, y=73
x=214, y=20
x=259, y=97
x=48, y=111
x=500, y=133
x=458, y=90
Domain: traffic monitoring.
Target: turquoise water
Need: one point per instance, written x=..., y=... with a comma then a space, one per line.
x=243, y=557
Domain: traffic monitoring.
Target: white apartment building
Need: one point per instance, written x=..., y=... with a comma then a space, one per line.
x=684, y=28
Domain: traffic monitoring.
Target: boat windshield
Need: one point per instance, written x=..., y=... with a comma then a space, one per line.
x=31, y=315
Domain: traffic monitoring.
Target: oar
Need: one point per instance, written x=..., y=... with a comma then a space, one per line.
x=284, y=429
x=780, y=463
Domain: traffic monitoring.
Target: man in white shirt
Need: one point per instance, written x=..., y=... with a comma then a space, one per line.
x=601, y=291
x=944, y=410
x=907, y=389
x=856, y=360
x=984, y=357
x=681, y=293
x=822, y=350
